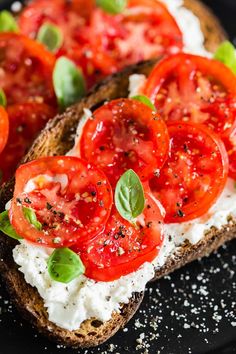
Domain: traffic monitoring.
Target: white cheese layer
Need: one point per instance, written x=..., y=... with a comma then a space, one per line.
x=189, y=25
x=68, y=305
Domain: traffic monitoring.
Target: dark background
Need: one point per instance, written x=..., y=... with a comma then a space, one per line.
x=226, y=11
x=192, y=311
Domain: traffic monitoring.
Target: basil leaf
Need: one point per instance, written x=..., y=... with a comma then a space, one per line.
x=145, y=100
x=7, y=22
x=113, y=7
x=6, y=227
x=69, y=83
x=3, y=99
x=65, y=265
x=129, y=196
x=51, y=36
x=31, y=217
x=226, y=53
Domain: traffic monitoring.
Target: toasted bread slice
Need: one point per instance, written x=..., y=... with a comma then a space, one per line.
x=57, y=139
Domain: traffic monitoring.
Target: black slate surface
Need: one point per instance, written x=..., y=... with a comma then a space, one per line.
x=192, y=311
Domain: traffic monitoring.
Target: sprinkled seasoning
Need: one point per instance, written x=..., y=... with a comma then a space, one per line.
x=196, y=302
x=49, y=206
x=180, y=213
x=27, y=200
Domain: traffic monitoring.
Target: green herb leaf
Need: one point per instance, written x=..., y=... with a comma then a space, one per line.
x=65, y=265
x=69, y=83
x=51, y=36
x=113, y=7
x=129, y=196
x=6, y=227
x=3, y=99
x=226, y=53
x=32, y=218
x=145, y=100
x=7, y=22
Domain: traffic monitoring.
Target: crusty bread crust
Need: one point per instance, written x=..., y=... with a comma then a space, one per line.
x=27, y=300
x=187, y=253
x=56, y=139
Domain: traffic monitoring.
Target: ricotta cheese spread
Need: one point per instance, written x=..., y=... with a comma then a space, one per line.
x=68, y=305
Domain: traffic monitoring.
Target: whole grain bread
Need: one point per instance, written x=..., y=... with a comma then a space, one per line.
x=56, y=139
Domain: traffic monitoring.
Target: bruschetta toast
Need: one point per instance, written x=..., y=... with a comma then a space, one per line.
x=56, y=140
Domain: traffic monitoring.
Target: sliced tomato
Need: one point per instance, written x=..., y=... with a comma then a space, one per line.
x=71, y=199
x=26, y=70
x=230, y=144
x=194, y=175
x=68, y=15
x=124, y=134
x=4, y=128
x=144, y=30
x=101, y=43
x=25, y=120
x=196, y=89
x=72, y=18
x=122, y=248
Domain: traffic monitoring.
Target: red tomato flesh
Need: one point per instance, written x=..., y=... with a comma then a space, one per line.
x=72, y=18
x=25, y=120
x=26, y=70
x=186, y=88
x=71, y=199
x=38, y=12
x=121, y=248
x=194, y=175
x=4, y=128
x=101, y=43
x=124, y=134
x=144, y=30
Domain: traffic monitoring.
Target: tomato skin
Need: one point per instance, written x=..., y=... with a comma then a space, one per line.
x=196, y=89
x=27, y=70
x=121, y=248
x=72, y=202
x=25, y=122
x=230, y=144
x=4, y=128
x=194, y=175
x=124, y=134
